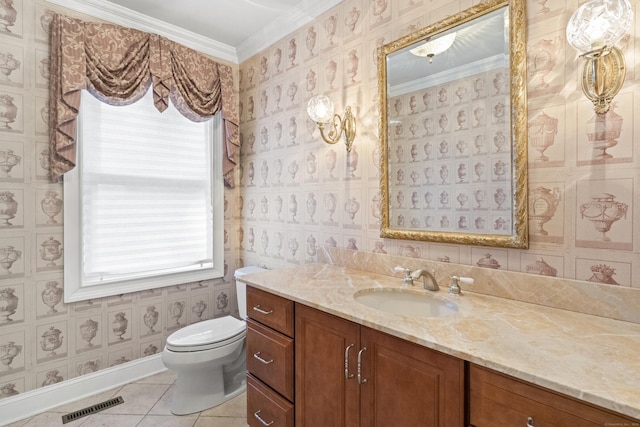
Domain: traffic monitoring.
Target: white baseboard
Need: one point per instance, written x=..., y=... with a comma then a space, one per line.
x=40, y=400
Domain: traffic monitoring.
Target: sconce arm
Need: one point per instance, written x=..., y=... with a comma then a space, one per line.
x=337, y=127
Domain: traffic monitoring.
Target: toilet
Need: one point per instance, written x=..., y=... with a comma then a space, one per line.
x=208, y=358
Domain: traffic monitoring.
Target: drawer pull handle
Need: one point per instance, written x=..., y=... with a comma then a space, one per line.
x=360, y=379
x=347, y=375
x=257, y=356
x=257, y=415
x=530, y=422
x=261, y=311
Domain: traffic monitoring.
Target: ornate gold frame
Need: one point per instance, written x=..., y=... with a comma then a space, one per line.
x=519, y=132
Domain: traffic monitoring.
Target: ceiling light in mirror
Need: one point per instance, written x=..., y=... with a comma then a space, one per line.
x=434, y=47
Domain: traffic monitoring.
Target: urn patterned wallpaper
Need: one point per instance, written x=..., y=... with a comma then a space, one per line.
x=42, y=340
x=453, y=144
x=298, y=193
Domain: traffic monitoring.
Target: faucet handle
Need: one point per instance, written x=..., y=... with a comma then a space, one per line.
x=454, y=288
x=408, y=279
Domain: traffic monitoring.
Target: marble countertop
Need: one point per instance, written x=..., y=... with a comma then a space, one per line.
x=591, y=358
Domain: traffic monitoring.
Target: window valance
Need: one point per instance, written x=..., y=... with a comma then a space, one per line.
x=118, y=65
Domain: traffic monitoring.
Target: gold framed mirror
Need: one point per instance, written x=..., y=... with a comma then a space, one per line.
x=453, y=129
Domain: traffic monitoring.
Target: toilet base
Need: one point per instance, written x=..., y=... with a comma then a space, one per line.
x=194, y=395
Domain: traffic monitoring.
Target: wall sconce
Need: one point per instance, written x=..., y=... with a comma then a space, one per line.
x=320, y=109
x=593, y=30
x=434, y=47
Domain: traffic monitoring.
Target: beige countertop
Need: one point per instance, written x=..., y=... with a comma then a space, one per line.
x=592, y=358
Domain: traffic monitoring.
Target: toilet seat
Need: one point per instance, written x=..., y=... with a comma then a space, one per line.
x=207, y=335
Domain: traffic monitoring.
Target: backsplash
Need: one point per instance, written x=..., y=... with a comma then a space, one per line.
x=299, y=194
x=597, y=299
x=43, y=340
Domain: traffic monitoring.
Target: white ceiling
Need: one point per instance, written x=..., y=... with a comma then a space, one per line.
x=232, y=30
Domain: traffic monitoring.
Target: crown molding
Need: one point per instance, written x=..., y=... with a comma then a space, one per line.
x=305, y=12
x=119, y=15
x=432, y=80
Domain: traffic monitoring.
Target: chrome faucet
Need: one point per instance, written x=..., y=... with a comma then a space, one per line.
x=428, y=279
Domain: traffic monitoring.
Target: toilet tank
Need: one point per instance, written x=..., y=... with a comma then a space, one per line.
x=241, y=288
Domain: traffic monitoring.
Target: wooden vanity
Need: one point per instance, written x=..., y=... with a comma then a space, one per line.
x=270, y=359
x=309, y=367
x=497, y=400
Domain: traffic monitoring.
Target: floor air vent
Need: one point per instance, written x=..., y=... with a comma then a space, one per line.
x=92, y=409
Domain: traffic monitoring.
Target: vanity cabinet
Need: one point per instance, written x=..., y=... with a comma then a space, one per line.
x=351, y=375
x=497, y=400
x=309, y=368
x=269, y=348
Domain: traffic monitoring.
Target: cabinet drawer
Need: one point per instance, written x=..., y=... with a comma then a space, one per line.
x=270, y=358
x=264, y=407
x=497, y=400
x=271, y=310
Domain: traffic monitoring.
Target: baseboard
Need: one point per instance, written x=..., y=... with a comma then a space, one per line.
x=40, y=400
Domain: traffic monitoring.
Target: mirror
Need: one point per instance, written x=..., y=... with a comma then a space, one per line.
x=453, y=129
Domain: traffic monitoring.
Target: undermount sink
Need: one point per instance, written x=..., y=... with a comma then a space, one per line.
x=406, y=302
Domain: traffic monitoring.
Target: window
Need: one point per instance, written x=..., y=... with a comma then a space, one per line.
x=142, y=206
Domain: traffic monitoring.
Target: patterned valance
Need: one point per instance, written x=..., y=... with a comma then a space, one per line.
x=118, y=65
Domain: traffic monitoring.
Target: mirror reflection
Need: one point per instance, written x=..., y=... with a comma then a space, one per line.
x=452, y=130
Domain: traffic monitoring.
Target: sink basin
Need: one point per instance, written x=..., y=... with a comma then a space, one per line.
x=406, y=302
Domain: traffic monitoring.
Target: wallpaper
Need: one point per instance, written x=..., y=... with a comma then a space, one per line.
x=299, y=194
x=43, y=340
x=449, y=159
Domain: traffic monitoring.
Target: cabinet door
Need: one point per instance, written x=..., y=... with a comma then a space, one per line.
x=409, y=385
x=324, y=396
x=497, y=400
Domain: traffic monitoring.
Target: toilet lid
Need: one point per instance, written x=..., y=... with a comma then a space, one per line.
x=207, y=334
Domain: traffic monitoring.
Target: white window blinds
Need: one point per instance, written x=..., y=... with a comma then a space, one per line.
x=146, y=206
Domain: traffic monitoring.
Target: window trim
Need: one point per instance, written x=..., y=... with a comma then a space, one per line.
x=74, y=290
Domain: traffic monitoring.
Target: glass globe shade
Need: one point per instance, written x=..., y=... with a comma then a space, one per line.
x=320, y=109
x=599, y=23
x=435, y=46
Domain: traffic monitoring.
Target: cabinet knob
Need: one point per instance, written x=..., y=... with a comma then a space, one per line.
x=347, y=375
x=360, y=379
x=259, y=418
x=530, y=422
x=261, y=311
x=257, y=356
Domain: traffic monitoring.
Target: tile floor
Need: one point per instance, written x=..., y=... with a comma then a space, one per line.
x=146, y=404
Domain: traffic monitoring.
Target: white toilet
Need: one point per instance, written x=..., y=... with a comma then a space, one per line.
x=209, y=358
